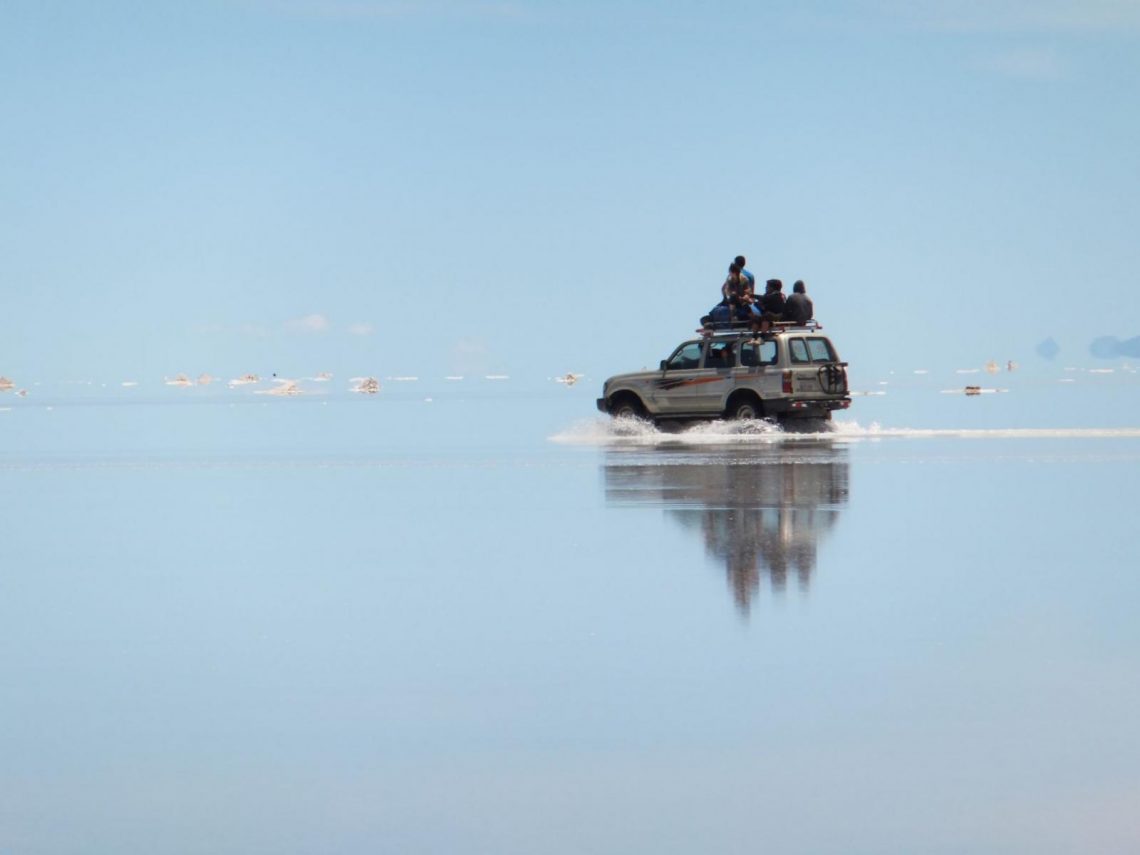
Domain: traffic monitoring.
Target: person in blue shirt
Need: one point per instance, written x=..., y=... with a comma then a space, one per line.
x=740, y=261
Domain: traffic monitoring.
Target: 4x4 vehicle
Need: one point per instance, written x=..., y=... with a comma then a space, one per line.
x=790, y=372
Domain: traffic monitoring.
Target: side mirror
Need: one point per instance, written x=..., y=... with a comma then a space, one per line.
x=664, y=364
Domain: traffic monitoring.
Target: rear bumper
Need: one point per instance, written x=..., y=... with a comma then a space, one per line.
x=602, y=405
x=805, y=409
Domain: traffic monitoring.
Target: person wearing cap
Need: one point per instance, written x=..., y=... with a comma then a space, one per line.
x=798, y=307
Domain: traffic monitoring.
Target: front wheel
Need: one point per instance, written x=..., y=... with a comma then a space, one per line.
x=627, y=407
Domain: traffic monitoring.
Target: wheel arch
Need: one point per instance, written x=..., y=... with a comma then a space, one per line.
x=626, y=395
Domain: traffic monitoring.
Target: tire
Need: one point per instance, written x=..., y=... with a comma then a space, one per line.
x=745, y=408
x=833, y=379
x=626, y=407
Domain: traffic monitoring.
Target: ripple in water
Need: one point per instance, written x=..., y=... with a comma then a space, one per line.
x=637, y=432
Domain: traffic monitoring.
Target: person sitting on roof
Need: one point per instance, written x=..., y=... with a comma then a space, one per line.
x=772, y=303
x=738, y=302
x=761, y=326
x=733, y=286
x=746, y=306
x=798, y=307
x=739, y=261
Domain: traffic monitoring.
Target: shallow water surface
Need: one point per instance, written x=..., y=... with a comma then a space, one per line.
x=491, y=626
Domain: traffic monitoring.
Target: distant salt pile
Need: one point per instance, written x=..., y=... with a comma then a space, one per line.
x=283, y=389
x=971, y=391
x=180, y=380
x=992, y=367
x=245, y=380
x=6, y=384
x=569, y=379
x=205, y=379
x=365, y=385
x=323, y=377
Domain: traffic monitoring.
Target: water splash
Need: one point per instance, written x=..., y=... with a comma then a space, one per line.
x=632, y=431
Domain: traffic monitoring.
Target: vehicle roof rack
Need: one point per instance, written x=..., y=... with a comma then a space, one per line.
x=714, y=327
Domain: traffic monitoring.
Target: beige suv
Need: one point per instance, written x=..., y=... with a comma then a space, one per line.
x=791, y=372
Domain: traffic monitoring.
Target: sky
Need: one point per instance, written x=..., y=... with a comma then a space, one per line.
x=376, y=187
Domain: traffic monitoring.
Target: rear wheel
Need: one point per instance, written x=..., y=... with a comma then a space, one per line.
x=626, y=407
x=745, y=408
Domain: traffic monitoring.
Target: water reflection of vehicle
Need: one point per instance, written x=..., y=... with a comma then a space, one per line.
x=762, y=511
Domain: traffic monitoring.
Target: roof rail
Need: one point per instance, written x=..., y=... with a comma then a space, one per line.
x=746, y=326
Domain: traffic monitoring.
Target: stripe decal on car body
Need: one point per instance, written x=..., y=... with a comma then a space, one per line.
x=669, y=385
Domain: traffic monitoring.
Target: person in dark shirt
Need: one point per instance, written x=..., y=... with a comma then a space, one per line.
x=772, y=303
x=798, y=307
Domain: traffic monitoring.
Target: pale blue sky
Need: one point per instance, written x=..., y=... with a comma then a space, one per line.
x=306, y=185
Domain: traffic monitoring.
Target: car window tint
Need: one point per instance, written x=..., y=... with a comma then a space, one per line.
x=798, y=350
x=688, y=356
x=820, y=349
x=763, y=353
x=720, y=355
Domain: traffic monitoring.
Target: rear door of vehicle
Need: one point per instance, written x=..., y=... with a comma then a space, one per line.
x=757, y=369
x=815, y=372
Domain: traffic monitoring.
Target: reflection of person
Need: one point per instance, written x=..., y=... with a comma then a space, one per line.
x=763, y=543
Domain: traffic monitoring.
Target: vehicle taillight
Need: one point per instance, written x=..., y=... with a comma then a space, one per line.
x=787, y=382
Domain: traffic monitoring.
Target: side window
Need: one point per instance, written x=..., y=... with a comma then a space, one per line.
x=688, y=356
x=763, y=353
x=798, y=350
x=720, y=355
x=820, y=349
